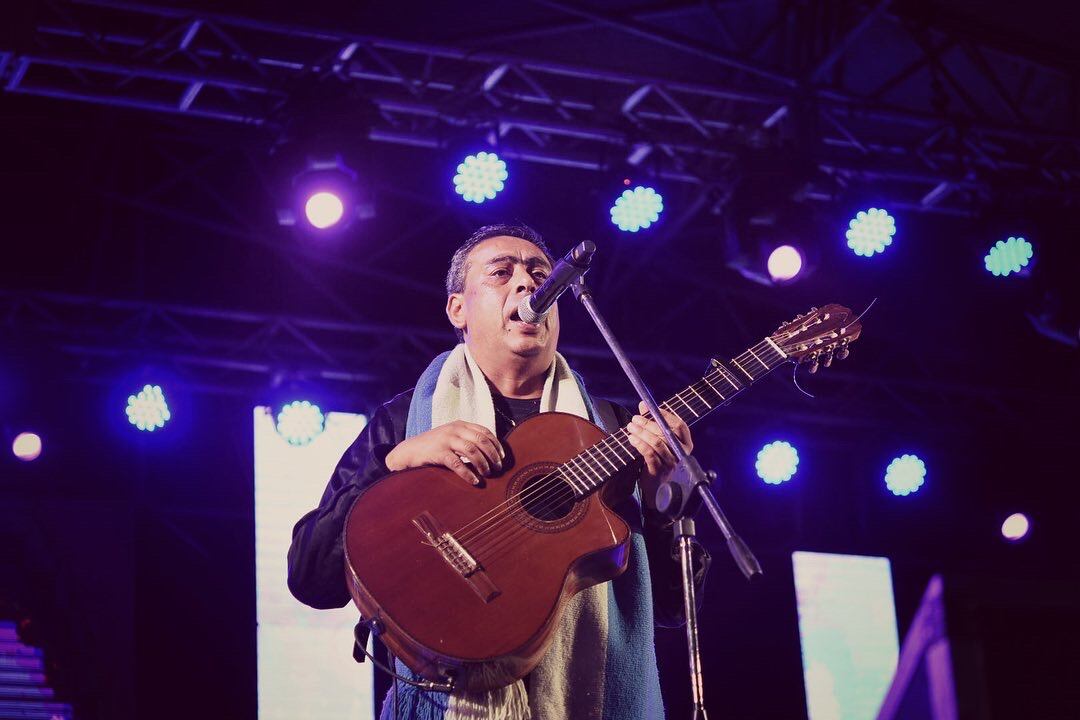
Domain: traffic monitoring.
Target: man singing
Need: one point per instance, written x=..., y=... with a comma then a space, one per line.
x=602, y=663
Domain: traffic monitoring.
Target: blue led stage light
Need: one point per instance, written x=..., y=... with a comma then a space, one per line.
x=148, y=410
x=1008, y=256
x=905, y=475
x=637, y=209
x=300, y=422
x=870, y=232
x=480, y=177
x=777, y=462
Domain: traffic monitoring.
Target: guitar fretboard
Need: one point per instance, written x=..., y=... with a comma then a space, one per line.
x=590, y=469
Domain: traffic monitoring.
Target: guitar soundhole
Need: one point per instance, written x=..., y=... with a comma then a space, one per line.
x=547, y=498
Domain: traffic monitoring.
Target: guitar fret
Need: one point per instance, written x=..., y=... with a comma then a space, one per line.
x=700, y=398
x=687, y=405
x=570, y=478
x=585, y=470
x=583, y=459
x=754, y=355
x=618, y=449
x=607, y=450
x=618, y=439
x=590, y=453
x=728, y=377
x=713, y=388
x=776, y=348
x=613, y=467
x=736, y=364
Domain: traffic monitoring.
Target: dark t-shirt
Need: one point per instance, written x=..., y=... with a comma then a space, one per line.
x=507, y=409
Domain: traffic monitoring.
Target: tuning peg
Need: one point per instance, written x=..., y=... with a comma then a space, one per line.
x=814, y=359
x=843, y=352
x=828, y=359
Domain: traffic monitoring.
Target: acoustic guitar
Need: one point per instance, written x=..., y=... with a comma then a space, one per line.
x=467, y=584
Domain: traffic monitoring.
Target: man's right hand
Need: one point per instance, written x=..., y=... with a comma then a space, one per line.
x=448, y=445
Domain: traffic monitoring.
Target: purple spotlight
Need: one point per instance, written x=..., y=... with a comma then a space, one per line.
x=1015, y=527
x=785, y=262
x=27, y=446
x=324, y=209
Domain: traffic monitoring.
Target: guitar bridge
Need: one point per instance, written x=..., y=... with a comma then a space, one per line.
x=455, y=554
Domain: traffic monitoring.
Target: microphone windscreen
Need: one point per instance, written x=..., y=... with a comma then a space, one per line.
x=525, y=311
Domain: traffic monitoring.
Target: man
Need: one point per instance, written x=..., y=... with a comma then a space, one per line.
x=601, y=663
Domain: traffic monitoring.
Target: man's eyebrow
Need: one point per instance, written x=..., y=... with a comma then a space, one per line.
x=515, y=260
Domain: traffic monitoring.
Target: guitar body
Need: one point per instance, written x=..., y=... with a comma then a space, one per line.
x=470, y=582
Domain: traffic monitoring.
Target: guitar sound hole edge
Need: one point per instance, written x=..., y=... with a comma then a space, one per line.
x=545, y=502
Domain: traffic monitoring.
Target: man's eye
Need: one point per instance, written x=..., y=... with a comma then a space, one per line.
x=501, y=272
x=541, y=276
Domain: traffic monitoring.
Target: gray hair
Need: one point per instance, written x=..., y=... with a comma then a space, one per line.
x=455, y=276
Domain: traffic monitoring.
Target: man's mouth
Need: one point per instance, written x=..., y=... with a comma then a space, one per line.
x=516, y=318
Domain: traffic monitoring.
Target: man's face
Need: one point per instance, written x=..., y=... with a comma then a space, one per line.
x=499, y=272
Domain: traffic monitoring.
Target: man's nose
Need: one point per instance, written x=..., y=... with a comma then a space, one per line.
x=524, y=281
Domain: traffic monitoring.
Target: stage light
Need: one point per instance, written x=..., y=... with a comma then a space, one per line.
x=325, y=197
x=148, y=410
x=785, y=262
x=777, y=462
x=1015, y=527
x=27, y=446
x=480, y=177
x=905, y=475
x=637, y=209
x=300, y=422
x=324, y=209
x=1008, y=256
x=870, y=231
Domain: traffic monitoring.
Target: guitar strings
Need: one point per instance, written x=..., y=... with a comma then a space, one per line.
x=550, y=489
x=523, y=495
x=490, y=547
x=499, y=537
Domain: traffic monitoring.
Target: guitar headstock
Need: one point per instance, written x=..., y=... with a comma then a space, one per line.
x=818, y=336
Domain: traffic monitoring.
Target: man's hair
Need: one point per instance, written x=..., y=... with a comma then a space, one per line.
x=455, y=276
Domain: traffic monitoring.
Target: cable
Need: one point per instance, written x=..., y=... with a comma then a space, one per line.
x=360, y=637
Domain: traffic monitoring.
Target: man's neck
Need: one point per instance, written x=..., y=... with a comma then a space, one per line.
x=514, y=377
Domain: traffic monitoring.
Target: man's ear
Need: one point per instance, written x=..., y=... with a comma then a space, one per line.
x=455, y=310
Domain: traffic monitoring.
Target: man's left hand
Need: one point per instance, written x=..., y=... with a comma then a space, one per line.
x=648, y=439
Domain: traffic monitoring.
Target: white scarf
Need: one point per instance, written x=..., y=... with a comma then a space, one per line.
x=567, y=682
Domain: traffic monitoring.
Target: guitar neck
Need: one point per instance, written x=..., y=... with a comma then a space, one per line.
x=592, y=468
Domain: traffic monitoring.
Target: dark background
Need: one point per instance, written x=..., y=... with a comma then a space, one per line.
x=134, y=552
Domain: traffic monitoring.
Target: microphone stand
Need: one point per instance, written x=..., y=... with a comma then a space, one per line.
x=673, y=498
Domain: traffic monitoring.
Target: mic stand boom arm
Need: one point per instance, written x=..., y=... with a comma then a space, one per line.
x=673, y=499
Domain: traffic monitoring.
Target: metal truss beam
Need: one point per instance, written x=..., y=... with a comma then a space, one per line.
x=247, y=354
x=243, y=70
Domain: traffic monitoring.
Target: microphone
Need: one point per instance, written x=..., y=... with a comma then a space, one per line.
x=534, y=308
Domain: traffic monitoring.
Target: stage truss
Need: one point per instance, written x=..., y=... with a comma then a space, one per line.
x=962, y=119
